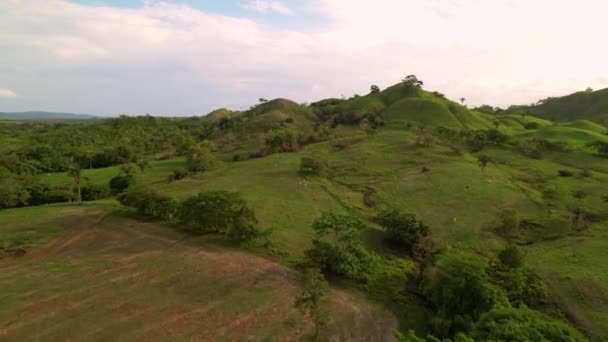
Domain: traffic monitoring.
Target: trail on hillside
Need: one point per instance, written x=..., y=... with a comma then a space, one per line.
x=113, y=278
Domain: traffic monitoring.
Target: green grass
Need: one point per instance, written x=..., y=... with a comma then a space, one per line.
x=108, y=276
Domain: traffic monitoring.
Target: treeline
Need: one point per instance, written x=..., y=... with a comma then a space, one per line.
x=52, y=147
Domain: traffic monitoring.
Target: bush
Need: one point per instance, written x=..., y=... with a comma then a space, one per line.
x=200, y=159
x=149, y=203
x=120, y=183
x=402, y=230
x=313, y=166
x=92, y=192
x=565, y=173
x=511, y=257
x=219, y=212
x=509, y=222
x=13, y=195
x=460, y=293
x=179, y=174
x=531, y=125
x=41, y=193
x=522, y=324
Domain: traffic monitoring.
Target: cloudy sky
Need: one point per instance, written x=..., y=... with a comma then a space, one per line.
x=188, y=57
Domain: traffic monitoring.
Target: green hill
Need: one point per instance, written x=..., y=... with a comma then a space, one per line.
x=587, y=105
x=500, y=222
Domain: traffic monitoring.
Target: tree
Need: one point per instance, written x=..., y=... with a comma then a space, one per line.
x=219, y=212
x=374, y=89
x=142, y=164
x=600, y=146
x=313, y=299
x=123, y=180
x=313, y=166
x=483, y=161
x=496, y=124
x=508, y=222
x=337, y=249
x=75, y=172
x=522, y=324
x=403, y=230
x=412, y=80
x=459, y=291
x=199, y=158
x=462, y=99
x=262, y=100
x=511, y=257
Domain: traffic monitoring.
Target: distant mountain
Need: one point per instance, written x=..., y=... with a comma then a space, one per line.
x=44, y=116
x=587, y=105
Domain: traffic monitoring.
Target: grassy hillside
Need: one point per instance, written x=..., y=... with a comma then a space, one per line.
x=123, y=278
x=402, y=148
x=587, y=105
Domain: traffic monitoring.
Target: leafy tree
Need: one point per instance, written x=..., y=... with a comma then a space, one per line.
x=337, y=249
x=403, y=230
x=219, y=212
x=124, y=179
x=600, y=146
x=522, y=324
x=149, y=203
x=142, y=164
x=374, y=89
x=511, y=256
x=509, y=222
x=483, y=161
x=313, y=299
x=459, y=292
x=315, y=165
x=412, y=80
x=199, y=158
x=13, y=195
x=75, y=172
x=282, y=140
x=462, y=99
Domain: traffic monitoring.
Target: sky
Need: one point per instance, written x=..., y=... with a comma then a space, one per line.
x=188, y=57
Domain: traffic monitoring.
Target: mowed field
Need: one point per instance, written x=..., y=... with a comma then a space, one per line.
x=94, y=273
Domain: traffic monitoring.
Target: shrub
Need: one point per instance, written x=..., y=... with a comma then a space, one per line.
x=41, y=193
x=508, y=222
x=179, y=174
x=459, y=291
x=149, y=203
x=200, y=159
x=522, y=324
x=92, y=192
x=13, y=195
x=120, y=183
x=402, y=230
x=587, y=173
x=531, y=125
x=565, y=173
x=219, y=212
x=313, y=166
x=511, y=257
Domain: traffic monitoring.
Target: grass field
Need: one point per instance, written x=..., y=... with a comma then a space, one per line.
x=455, y=197
x=106, y=276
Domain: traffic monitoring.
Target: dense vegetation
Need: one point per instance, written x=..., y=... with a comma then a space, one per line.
x=460, y=221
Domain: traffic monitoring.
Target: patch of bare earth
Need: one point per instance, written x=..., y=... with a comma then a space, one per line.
x=112, y=278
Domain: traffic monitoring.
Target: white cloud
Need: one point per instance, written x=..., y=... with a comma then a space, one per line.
x=265, y=6
x=7, y=94
x=168, y=58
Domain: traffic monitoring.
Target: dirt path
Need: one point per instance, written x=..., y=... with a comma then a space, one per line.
x=114, y=278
